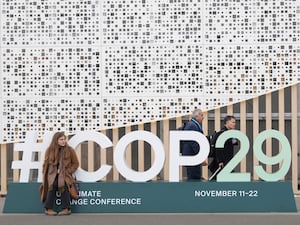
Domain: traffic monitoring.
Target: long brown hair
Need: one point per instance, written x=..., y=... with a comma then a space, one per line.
x=53, y=149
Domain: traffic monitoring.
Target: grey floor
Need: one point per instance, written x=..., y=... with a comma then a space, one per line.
x=154, y=219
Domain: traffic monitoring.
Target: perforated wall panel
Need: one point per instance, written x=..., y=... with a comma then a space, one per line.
x=76, y=65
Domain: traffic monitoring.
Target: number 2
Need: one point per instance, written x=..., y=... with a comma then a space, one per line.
x=225, y=174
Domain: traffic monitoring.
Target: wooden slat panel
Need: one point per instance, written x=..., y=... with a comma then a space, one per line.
x=103, y=156
x=230, y=109
x=243, y=128
x=179, y=121
x=3, y=150
x=115, y=141
x=128, y=154
x=141, y=151
x=91, y=158
x=179, y=124
x=281, y=118
x=255, y=125
x=153, y=128
x=294, y=144
x=205, y=131
x=268, y=127
x=217, y=119
x=166, y=128
x=165, y=137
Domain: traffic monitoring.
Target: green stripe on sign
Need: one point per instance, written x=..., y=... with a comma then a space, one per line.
x=162, y=197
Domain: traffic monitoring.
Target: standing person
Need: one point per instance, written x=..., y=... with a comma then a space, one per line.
x=223, y=155
x=192, y=147
x=59, y=164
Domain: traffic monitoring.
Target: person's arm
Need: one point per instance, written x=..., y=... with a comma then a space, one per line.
x=194, y=144
x=219, y=151
x=74, y=162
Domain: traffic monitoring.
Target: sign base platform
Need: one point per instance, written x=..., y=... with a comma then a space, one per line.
x=162, y=197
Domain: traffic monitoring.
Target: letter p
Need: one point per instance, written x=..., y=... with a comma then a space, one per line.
x=177, y=160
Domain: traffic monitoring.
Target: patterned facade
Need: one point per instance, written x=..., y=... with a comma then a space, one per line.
x=92, y=65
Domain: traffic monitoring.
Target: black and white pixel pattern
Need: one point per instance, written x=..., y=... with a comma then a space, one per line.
x=76, y=65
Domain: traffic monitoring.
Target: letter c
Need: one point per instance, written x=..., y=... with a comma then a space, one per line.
x=103, y=142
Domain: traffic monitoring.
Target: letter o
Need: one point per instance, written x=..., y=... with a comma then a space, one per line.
x=119, y=156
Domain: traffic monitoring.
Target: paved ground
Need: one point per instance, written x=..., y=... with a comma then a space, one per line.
x=154, y=219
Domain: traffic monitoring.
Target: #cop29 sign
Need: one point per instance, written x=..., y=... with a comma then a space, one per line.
x=176, y=160
x=231, y=188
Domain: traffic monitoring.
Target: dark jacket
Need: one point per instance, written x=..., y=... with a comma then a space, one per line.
x=192, y=148
x=222, y=155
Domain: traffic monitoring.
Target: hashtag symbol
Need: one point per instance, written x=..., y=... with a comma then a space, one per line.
x=30, y=148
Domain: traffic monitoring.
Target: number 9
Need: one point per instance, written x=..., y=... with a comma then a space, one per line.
x=284, y=155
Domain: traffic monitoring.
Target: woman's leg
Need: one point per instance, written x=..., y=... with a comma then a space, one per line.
x=51, y=195
x=65, y=202
x=65, y=198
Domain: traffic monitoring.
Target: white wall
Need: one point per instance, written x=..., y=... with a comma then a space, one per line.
x=75, y=65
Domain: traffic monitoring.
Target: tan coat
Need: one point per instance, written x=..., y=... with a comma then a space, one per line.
x=70, y=165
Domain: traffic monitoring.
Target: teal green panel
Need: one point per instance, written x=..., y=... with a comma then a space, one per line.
x=163, y=197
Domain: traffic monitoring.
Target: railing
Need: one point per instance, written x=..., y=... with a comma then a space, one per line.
x=278, y=110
